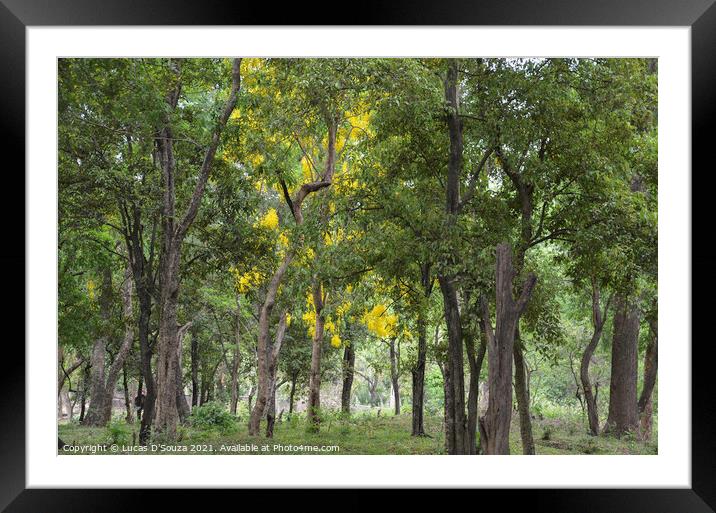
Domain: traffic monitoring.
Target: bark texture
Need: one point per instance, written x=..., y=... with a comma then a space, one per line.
x=418, y=371
x=457, y=441
x=475, y=360
x=349, y=360
x=623, y=410
x=236, y=360
x=275, y=349
x=522, y=393
x=418, y=376
x=599, y=317
x=495, y=425
x=314, y=376
x=650, y=372
x=395, y=373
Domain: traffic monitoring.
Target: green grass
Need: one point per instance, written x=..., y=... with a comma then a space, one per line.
x=358, y=434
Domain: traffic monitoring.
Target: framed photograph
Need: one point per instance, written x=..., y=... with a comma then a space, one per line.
x=431, y=249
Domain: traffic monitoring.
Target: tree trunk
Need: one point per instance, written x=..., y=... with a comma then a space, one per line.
x=236, y=360
x=447, y=390
x=623, y=409
x=314, y=381
x=65, y=374
x=650, y=371
x=99, y=401
x=394, y=374
x=349, y=359
x=475, y=362
x=127, y=396
x=264, y=343
x=456, y=421
x=373, y=392
x=252, y=392
x=291, y=395
x=174, y=231
x=182, y=404
x=194, y=367
x=523, y=396
x=590, y=396
x=121, y=356
x=495, y=425
x=418, y=375
x=146, y=351
x=167, y=415
x=83, y=394
x=295, y=205
x=275, y=350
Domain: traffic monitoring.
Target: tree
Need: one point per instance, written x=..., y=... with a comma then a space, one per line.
x=173, y=234
x=495, y=426
x=104, y=379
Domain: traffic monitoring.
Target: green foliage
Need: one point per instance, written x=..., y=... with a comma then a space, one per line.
x=212, y=415
x=118, y=432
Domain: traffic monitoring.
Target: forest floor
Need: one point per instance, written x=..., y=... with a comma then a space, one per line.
x=360, y=434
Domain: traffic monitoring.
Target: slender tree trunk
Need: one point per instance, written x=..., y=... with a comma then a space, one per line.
x=295, y=205
x=650, y=372
x=83, y=394
x=127, y=396
x=590, y=396
x=394, y=374
x=623, y=409
x=418, y=375
x=495, y=425
x=292, y=394
x=373, y=392
x=447, y=390
x=522, y=394
x=146, y=350
x=194, y=367
x=139, y=398
x=314, y=381
x=182, y=404
x=112, y=374
x=236, y=360
x=456, y=421
x=457, y=439
x=264, y=343
x=66, y=374
x=252, y=392
x=475, y=360
x=349, y=359
x=275, y=350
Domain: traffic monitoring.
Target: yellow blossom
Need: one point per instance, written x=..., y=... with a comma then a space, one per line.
x=336, y=341
x=380, y=322
x=246, y=281
x=91, y=287
x=269, y=220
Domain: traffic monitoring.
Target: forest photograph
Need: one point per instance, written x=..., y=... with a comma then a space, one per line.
x=339, y=256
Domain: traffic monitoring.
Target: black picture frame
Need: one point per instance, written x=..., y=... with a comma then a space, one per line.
x=700, y=15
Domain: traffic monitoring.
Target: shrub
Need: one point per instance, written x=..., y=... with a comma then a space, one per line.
x=118, y=432
x=212, y=416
